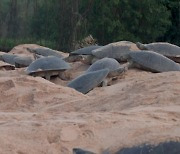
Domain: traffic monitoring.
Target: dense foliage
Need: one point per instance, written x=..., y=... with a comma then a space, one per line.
x=60, y=24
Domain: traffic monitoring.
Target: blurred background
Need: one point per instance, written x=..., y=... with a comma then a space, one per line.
x=61, y=24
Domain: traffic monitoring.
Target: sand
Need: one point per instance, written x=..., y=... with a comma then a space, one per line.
x=22, y=49
x=42, y=117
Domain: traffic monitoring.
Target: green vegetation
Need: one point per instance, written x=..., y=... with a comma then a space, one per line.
x=59, y=24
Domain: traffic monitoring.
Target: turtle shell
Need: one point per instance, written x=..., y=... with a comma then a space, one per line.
x=45, y=52
x=8, y=58
x=23, y=61
x=86, y=82
x=81, y=151
x=117, y=50
x=153, y=61
x=164, y=48
x=50, y=63
x=109, y=63
x=85, y=50
x=170, y=147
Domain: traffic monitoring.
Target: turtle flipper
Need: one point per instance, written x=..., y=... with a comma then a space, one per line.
x=129, y=64
x=88, y=59
x=47, y=76
x=104, y=83
x=64, y=75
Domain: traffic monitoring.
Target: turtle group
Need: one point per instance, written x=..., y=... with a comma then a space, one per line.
x=118, y=50
x=16, y=60
x=105, y=63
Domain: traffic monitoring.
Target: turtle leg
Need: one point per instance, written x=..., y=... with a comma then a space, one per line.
x=47, y=76
x=129, y=64
x=17, y=65
x=35, y=56
x=64, y=75
x=104, y=83
x=94, y=60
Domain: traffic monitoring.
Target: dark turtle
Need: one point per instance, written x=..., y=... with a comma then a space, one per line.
x=47, y=67
x=22, y=61
x=76, y=55
x=162, y=148
x=8, y=58
x=6, y=66
x=169, y=50
x=45, y=52
x=86, y=82
x=152, y=61
x=81, y=151
x=113, y=65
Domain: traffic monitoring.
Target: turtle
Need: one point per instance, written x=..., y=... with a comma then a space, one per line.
x=170, y=147
x=8, y=58
x=45, y=52
x=76, y=55
x=86, y=82
x=6, y=66
x=117, y=50
x=22, y=61
x=115, y=69
x=169, y=50
x=152, y=61
x=81, y=151
x=47, y=67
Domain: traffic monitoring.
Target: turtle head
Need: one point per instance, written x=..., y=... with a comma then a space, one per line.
x=87, y=59
x=36, y=56
x=30, y=50
x=141, y=46
x=124, y=57
x=1, y=57
x=81, y=151
x=117, y=72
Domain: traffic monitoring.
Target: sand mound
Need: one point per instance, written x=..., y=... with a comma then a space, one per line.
x=26, y=93
x=22, y=49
